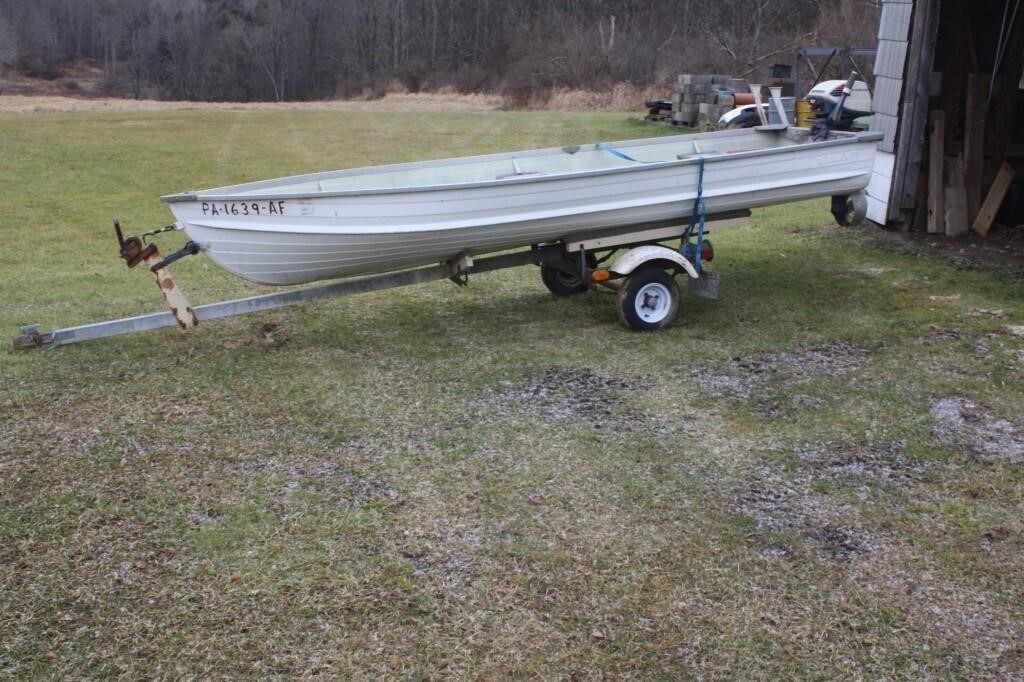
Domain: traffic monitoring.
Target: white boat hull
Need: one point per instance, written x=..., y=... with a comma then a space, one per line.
x=278, y=236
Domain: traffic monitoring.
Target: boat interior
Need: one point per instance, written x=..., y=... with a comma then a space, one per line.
x=510, y=166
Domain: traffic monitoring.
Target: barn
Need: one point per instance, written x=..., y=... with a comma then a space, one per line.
x=947, y=98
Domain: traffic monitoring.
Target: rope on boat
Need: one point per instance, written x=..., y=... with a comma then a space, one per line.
x=615, y=152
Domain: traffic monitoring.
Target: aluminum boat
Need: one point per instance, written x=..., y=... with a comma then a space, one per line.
x=382, y=218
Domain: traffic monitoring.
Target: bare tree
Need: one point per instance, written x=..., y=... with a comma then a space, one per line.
x=749, y=32
x=304, y=49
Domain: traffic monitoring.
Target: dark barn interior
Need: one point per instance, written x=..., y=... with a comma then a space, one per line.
x=960, y=142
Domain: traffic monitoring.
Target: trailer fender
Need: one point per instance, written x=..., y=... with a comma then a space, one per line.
x=642, y=255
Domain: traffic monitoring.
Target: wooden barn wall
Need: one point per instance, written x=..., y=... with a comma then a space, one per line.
x=914, y=107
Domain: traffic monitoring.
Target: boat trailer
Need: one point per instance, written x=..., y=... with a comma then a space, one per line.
x=643, y=277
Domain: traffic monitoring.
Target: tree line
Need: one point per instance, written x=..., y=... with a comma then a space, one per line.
x=245, y=50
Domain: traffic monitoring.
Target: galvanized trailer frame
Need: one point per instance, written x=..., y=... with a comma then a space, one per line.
x=564, y=256
x=30, y=336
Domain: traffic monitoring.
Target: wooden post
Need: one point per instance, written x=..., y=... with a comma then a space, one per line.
x=974, y=140
x=936, y=144
x=956, y=198
x=994, y=200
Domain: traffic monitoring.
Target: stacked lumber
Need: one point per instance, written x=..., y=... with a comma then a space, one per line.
x=699, y=101
x=968, y=173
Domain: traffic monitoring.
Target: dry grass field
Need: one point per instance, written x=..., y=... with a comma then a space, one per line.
x=818, y=476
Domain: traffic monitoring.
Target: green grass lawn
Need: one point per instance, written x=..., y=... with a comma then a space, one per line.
x=818, y=476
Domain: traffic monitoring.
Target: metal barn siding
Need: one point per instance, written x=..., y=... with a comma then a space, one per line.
x=893, y=40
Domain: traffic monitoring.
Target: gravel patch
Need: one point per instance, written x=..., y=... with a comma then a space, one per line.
x=841, y=463
x=445, y=552
x=564, y=393
x=797, y=502
x=844, y=543
x=935, y=334
x=325, y=477
x=779, y=502
x=946, y=611
x=740, y=377
x=964, y=423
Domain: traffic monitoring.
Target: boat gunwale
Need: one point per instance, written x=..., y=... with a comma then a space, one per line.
x=847, y=138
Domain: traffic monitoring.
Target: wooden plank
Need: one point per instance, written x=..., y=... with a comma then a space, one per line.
x=936, y=143
x=914, y=112
x=994, y=200
x=974, y=139
x=956, y=198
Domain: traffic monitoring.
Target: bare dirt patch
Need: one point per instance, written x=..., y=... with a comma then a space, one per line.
x=961, y=422
x=1002, y=248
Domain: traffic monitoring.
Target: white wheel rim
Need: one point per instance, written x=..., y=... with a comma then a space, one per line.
x=652, y=302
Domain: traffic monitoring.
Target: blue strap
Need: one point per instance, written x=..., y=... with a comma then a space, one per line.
x=700, y=214
x=615, y=152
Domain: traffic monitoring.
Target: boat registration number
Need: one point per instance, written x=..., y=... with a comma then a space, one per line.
x=243, y=208
x=837, y=157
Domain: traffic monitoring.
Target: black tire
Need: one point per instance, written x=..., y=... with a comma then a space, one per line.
x=562, y=283
x=649, y=300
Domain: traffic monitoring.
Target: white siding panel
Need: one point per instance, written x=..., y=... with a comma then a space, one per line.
x=892, y=55
x=879, y=187
x=887, y=95
x=895, y=23
x=887, y=125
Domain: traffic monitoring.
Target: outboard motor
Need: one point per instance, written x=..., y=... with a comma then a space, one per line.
x=837, y=104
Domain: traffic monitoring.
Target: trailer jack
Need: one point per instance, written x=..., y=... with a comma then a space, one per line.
x=134, y=250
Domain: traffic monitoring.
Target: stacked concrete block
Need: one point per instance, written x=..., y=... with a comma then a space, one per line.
x=700, y=100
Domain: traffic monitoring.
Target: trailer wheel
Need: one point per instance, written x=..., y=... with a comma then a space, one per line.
x=649, y=300
x=562, y=283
